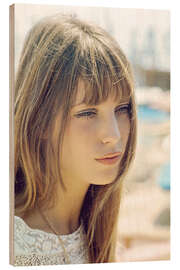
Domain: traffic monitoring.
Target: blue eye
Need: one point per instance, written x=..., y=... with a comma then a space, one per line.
x=123, y=109
x=86, y=114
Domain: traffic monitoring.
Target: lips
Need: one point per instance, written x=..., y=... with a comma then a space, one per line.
x=109, y=159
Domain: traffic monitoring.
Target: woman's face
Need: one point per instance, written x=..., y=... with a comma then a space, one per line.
x=95, y=140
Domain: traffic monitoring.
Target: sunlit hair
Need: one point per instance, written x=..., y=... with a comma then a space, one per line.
x=58, y=52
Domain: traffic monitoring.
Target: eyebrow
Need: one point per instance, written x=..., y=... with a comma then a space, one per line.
x=81, y=103
x=125, y=101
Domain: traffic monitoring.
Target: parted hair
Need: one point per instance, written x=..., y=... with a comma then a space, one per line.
x=59, y=51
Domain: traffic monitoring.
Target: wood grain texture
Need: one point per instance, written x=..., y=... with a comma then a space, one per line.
x=11, y=131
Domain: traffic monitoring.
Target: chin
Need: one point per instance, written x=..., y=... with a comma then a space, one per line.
x=104, y=181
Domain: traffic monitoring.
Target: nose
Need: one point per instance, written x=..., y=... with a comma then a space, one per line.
x=110, y=132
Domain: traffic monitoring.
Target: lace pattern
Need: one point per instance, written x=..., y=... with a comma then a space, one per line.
x=36, y=247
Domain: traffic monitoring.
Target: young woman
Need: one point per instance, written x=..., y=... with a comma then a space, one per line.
x=75, y=134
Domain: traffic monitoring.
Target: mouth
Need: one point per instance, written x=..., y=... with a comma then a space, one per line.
x=109, y=159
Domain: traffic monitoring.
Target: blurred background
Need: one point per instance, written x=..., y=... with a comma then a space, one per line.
x=144, y=36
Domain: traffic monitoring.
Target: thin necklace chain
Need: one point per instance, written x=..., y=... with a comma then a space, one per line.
x=59, y=238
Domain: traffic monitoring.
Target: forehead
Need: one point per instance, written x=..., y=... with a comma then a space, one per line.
x=116, y=95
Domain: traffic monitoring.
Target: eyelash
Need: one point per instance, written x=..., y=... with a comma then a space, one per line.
x=123, y=109
x=86, y=114
x=91, y=114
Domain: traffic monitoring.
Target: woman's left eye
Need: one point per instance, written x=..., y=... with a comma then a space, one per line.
x=122, y=109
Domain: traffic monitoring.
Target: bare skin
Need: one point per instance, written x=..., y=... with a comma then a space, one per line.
x=91, y=133
x=64, y=216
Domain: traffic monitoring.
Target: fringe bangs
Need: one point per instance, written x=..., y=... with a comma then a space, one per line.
x=49, y=84
x=103, y=76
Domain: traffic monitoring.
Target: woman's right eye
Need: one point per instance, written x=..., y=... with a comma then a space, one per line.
x=86, y=114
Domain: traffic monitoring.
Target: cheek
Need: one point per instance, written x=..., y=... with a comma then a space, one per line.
x=79, y=133
x=82, y=128
x=124, y=128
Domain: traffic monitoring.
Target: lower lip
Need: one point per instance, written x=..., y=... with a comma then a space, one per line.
x=109, y=161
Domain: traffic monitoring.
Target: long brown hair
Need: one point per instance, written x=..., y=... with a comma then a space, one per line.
x=58, y=51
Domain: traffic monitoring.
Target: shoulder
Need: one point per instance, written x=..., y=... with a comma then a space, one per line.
x=34, y=247
x=29, y=241
x=21, y=239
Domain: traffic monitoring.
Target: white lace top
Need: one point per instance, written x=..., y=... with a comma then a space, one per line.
x=36, y=247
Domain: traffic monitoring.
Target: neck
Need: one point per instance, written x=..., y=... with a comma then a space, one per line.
x=64, y=216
